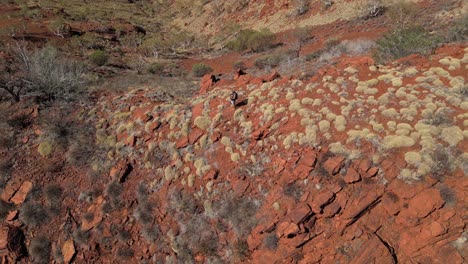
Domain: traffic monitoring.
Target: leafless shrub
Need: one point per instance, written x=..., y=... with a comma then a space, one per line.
x=125, y=253
x=144, y=212
x=5, y=208
x=303, y=7
x=442, y=162
x=197, y=236
x=53, y=194
x=40, y=249
x=239, y=212
x=49, y=75
x=81, y=237
x=448, y=194
x=270, y=241
x=346, y=47
x=151, y=233
x=293, y=190
x=241, y=251
x=441, y=117
x=6, y=167
x=326, y=3
x=33, y=214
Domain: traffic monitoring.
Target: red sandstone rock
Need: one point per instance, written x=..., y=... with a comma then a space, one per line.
x=302, y=171
x=272, y=76
x=68, y=251
x=390, y=203
x=333, y=165
x=3, y=237
x=22, y=192
x=300, y=213
x=324, y=198
x=286, y=229
x=425, y=202
x=331, y=210
x=352, y=176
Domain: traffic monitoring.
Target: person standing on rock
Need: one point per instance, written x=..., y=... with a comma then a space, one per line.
x=233, y=98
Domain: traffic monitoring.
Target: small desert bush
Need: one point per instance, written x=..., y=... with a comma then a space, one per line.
x=6, y=167
x=402, y=14
x=33, y=214
x=293, y=190
x=144, y=213
x=124, y=236
x=271, y=241
x=448, y=194
x=20, y=121
x=40, y=249
x=268, y=61
x=125, y=253
x=156, y=68
x=49, y=74
x=372, y=8
x=458, y=32
x=326, y=3
x=239, y=65
x=241, y=250
x=99, y=57
x=5, y=208
x=239, y=212
x=404, y=42
x=53, y=194
x=443, y=162
x=252, y=39
x=200, y=69
x=303, y=6
x=81, y=237
x=114, y=190
x=333, y=49
x=441, y=117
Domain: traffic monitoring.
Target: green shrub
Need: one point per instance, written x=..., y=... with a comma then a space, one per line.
x=201, y=69
x=251, y=39
x=156, y=68
x=99, y=57
x=268, y=61
x=403, y=42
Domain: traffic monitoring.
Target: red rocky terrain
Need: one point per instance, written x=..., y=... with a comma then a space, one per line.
x=350, y=166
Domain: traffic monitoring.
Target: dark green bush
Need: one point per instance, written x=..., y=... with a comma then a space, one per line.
x=404, y=42
x=201, y=69
x=99, y=57
x=156, y=68
x=252, y=39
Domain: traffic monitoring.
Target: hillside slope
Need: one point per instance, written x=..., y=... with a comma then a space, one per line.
x=361, y=163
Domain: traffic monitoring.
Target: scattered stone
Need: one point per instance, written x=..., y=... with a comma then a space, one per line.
x=68, y=251
x=22, y=193
x=352, y=176
x=333, y=165
x=324, y=198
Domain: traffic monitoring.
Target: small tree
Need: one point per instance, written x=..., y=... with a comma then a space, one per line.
x=300, y=36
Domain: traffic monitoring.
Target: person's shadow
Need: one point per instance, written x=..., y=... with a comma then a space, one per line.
x=242, y=103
